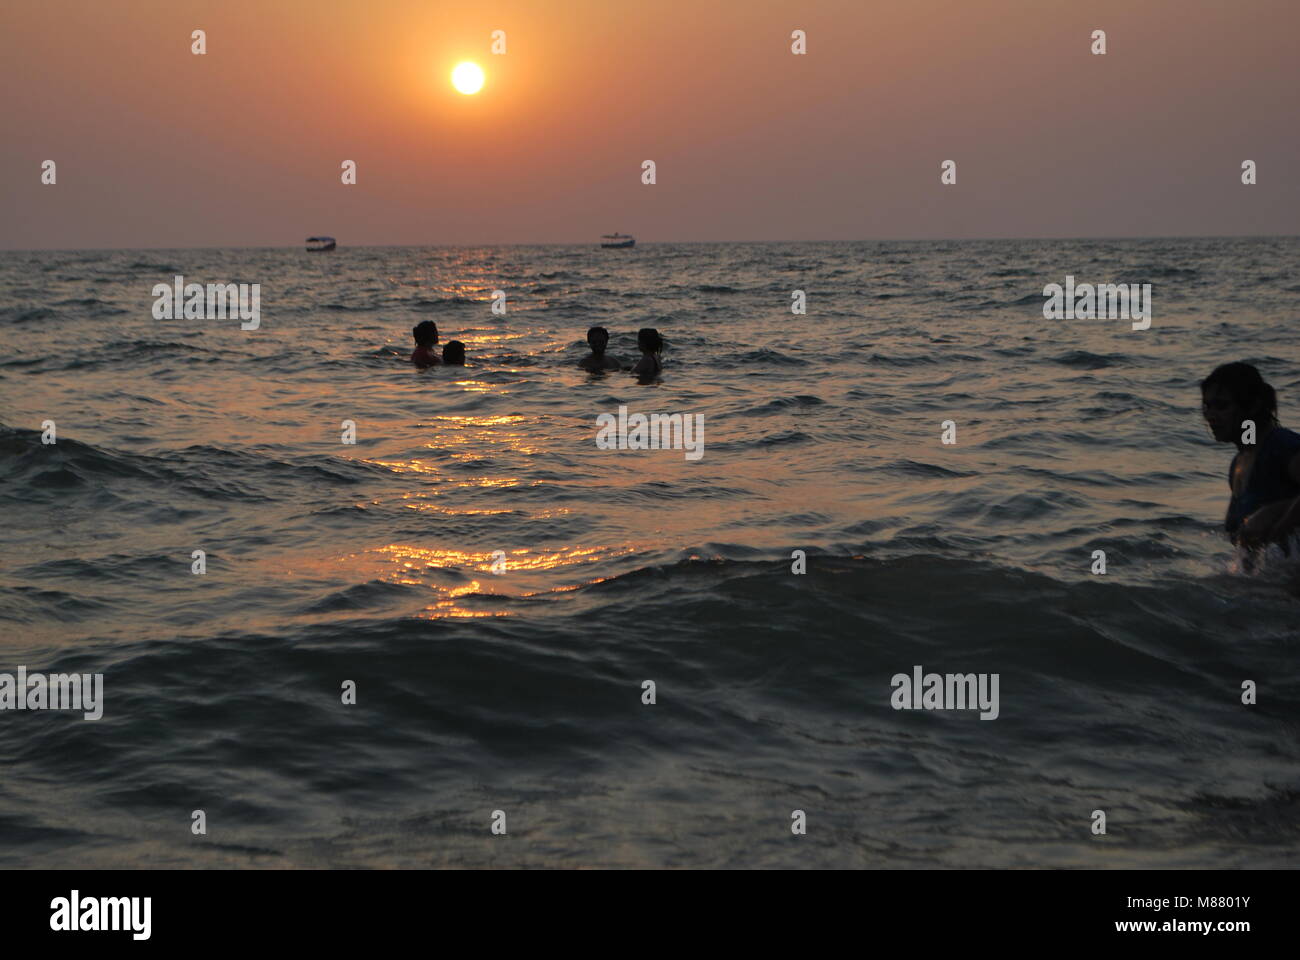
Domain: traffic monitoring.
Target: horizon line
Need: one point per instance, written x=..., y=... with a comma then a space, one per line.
x=595, y=245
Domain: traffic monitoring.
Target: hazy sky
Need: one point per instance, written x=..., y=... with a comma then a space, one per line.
x=157, y=147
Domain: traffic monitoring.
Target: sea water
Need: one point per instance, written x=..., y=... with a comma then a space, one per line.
x=498, y=589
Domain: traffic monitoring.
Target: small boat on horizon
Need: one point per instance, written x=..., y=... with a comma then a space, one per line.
x=617, y=241
x=320, y=244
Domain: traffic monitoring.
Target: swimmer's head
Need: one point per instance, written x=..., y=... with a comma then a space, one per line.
x=1233, y=393
x=648, y=339
x=598, y=340
x=453, y=352
x=425, y=333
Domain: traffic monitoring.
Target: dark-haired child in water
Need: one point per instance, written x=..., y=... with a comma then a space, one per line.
x=651, y=345
x=598, y=340
x=1265, y=475
x=454, y=352
x=426, y=338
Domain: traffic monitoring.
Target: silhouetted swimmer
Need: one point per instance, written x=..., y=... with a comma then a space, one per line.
x=454, y=352
x=1265, y=475
x=598, y=340
x=426, y=338
x=651, y=345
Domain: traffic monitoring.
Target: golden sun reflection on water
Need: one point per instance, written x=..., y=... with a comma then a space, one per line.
x=418, y=566
x=461, y=582
x=473, y=421
x=467, y=438
x=398, y=559
x=445, y=582
x=474, y=386
x=433, y=468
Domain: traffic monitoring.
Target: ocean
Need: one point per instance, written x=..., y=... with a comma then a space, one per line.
x=497, y=588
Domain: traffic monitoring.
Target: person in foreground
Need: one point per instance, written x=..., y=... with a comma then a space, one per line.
x=598, y=340
x=426, y=338
x=651, y=345
x=1265, y=474
x=454, y=352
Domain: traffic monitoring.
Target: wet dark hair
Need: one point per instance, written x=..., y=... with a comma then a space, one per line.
x=647, y=338
x=1243, y=382
x=453, y=352
x=425, y=333
x=598, y=330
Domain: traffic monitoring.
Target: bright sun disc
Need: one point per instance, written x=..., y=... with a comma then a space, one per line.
x=467, y=77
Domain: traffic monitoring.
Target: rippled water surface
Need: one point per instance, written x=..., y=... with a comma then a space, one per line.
x=522, y=691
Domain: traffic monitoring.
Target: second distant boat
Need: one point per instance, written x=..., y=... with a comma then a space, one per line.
x=617, y=240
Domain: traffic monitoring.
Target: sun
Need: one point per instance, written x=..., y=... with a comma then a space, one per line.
x=467, y=77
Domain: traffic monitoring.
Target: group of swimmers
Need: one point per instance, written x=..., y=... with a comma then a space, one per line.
x=647, y=340
x=1264, y=477
x=426, y=338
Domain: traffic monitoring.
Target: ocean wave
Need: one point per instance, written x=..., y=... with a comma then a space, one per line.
x=923, y=360
x=96, y=306
x=1083, y=360
x=28, y=314
x=29, y=606
x=424, y=303
x=765, y=356
x=783, y=404
x=36, y=472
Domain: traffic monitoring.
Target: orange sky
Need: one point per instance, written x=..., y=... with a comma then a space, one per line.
x=157, y=147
